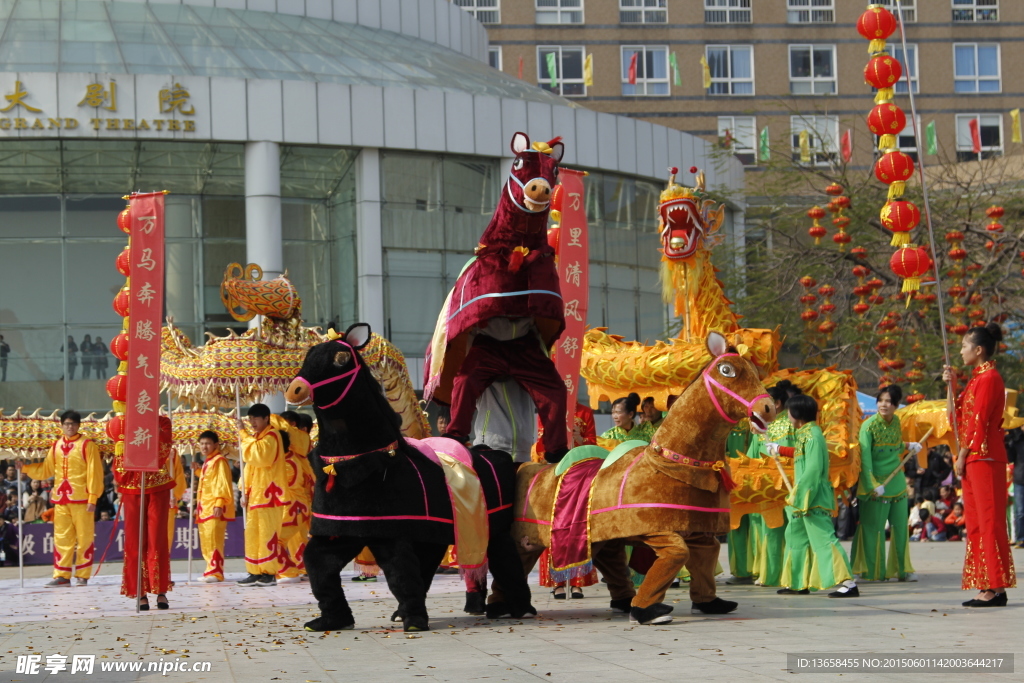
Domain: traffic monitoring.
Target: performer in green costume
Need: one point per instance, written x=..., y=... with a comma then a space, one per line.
x=771, y=542
x=881, y=450
x=814, y=558
x=743, y=540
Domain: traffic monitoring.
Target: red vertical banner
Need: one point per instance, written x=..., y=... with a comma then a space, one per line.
x=146, y=295
x=975, y=127
x=573, y=272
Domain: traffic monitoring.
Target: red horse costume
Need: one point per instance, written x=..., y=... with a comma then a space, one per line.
x=506, y=309
x=155, y=551
x=988, y=563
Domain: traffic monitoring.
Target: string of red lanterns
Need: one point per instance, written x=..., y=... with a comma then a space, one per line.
x=117, y=386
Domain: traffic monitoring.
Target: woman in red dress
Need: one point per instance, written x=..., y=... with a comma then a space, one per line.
x=981, y=465
x=155, y=553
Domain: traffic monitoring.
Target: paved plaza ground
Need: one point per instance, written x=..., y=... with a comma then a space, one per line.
x=253, y=635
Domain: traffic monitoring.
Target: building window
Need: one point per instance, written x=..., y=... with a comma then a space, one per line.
x=811, y=11
x=559, y=12
x=739, y=135
x=651, y=70
x=812, y=69
x=976, y=68
x=568, y=63
x=990, y=126
x=485, y=11
x=909, y=64
x=643, y=11
x=822, y=137
x=975, y=10
x=494, y=56
x=732, y=69
x=908, y=7
x=727, y=12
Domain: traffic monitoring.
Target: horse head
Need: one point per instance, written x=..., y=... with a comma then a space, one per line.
x=534, y=173
x=330, y=370
x=730, y=389
x=686, y=218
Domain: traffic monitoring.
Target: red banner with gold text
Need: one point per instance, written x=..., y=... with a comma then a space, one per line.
x=146, y=293
x=573, y=260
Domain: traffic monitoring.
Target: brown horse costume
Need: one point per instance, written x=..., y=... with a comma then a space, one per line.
x=671, y=495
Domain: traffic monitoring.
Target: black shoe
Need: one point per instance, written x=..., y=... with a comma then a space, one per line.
x=476, y=603
x=675, y=584
x=500, y=610
x=266, y=580
x=323, y=623
x=853, y=592
x=144, y=605
x=790, y=591
x=716, y=606
x=415, y=624
x=740, y=581
x=998, y=601
x=623, y=605
x=658, y=613
x=558, y=596
x=161, y=602
x=251, y=580
x=576, y=593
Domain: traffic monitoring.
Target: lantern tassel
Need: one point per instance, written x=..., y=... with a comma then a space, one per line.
x=900, y=239
x=911, y=284
x=884, y=95
x=896, y=189
x=886, y=142
x=817, y=241
x=876, y=45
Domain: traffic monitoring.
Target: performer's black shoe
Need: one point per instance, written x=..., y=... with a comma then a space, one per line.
x=501, y=610
x=845, y=592
x=623, y=605
x=556, y=456
x=266, y=580
x=576, y=593
x=415, y=624
x=790, y=591
x=658, y=613
x=324, y=623
x=716, y=606
x=476, y=603
x=161, y=602
x=251, y=580
x=740, y=581
x=998, y=601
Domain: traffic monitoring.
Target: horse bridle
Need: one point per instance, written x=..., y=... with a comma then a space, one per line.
x=710, y=383
x=522, y=186
x=350, y=374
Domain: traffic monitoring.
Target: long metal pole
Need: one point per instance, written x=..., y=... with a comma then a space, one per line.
x=141, y=554
x=191, y=503
x=21, y=529
x=241, y=462
x=928, y=215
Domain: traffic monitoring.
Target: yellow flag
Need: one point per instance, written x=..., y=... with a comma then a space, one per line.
x=707, y=71
x=805, y=147
x=588, y=70
x=1015, y=118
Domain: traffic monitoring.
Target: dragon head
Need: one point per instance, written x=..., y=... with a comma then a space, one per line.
x=685, y=217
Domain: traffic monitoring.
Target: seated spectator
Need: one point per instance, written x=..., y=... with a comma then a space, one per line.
x=104, y=516
x=35, y=504
x=928, y=528
x=956, y=524
x=947, y=496
x=915, y=512
x=12, y=510
x=8, y=543
x=35, y=487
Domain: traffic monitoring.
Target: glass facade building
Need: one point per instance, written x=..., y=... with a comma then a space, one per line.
x=360, y=152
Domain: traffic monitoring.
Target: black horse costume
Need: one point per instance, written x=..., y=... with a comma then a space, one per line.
x=376, y=489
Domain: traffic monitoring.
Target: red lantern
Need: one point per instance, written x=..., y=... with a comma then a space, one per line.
x=123, y=262
x=994, y=226
x=553, y=236
x=954, y=236
x=957, y=254
x=894, y=169
x=861, y=271
x=816, y=212
x=876, y=24
x=976, y=313
x=808, y=281
x=913, y=398
x=124, y=219
x=990, y=245
x=875, y=283
x=809, y=315
x=956, y=291
x=119, y=346
x=882, y=72
x=121, y=302
x=974, y=268
x=827, y=308
x=977, y=298
x=900, y=217
x=842, y=239
x=957, y=310
x=959, y=329
x=834, y=189
x=886, y=119
x=556, y=197
x=897, y=364
x=862, y=290
x=827, y=290
x=910, y=263
x=861, y=252
x=828, y=327
x=842, y=202
x=115, y=428
x=994, y=212
x=861, y=309
x=117, y=387
x=841, y=222
x=914, y=375
x=817, y=232
x=808, y=299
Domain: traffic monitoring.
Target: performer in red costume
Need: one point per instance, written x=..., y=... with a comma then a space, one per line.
x=155, y=552
x=981, y=465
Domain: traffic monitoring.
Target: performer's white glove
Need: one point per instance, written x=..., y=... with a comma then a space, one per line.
x=914, y=447
x=772, y=448
x=879, y=491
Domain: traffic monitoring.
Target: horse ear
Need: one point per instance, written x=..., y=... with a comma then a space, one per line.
x=557, y=151
x=520, y=143
x=358, y=335
x=717, y=344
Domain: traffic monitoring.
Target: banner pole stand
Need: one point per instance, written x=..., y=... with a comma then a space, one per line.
x=241, y=462
x=191, y=513
x=21, y=530
x=140, y=558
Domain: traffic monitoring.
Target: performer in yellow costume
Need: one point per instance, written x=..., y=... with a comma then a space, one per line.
x=298, y=497
x=74, y=463
x=263, y=496
x=215, y=505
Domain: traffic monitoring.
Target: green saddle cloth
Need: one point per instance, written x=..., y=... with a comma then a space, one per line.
x=621, y=450
x=579, y=454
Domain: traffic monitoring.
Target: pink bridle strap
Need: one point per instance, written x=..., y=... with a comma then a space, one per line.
x=716, y=465
x=351, y=374
x=711, y=384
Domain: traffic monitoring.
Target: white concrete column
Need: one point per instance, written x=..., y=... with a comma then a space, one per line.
x=739, y=245
x=263, y=245
x=369, y=250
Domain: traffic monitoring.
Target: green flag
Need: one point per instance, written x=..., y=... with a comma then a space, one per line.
x=931, y=146
x=764, y=153
x=553, y=68
x=676, y=80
